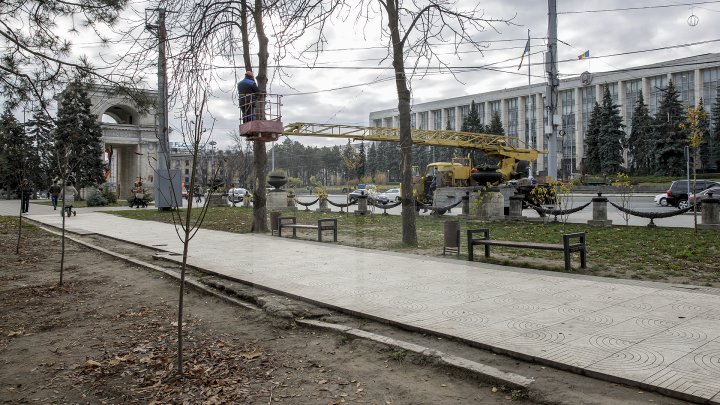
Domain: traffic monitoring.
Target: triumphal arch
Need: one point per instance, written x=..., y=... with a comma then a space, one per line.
x=130, y=138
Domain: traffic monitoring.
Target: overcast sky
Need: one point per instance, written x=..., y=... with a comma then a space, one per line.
x=351, y=59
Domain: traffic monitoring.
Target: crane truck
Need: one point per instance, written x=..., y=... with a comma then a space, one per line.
x=442, y=184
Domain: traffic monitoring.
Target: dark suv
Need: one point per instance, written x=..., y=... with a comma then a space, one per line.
x=677, y=194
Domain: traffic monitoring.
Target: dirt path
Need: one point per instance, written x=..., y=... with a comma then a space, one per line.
x=108, y=335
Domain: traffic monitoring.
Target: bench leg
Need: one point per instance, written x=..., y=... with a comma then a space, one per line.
x=335, y=233
x=487, y=250
x=294, y=232
x=279, y=231
x=568, y=265
x=470, y=246
x=583, y=263
x=319, y=234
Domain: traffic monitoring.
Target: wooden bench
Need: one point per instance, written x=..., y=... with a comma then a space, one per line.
x=324, y=224
x=567, y=247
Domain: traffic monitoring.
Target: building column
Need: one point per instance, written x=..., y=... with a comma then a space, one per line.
x=504, y=115
x=622, y=96
x=488, y=113
x=458, y=118
x=579, y=131
x=443, y=119
x=699, y=90
x=523, y=132
x=540, y=129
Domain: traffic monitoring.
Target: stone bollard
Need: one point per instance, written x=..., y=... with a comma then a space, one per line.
x=362, y=206
x=291, y=201
x=710, y=213
x=466, y=204
x=599, y=205
x=451, y=240
x=516, y=202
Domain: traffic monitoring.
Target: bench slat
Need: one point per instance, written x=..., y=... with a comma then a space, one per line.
x=513, y=244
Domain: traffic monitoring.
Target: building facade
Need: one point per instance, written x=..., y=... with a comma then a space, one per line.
x=525, y=119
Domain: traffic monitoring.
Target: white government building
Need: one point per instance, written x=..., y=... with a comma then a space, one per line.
x=524, y=117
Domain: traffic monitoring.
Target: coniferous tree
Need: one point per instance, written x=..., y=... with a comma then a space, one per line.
x=39, y=129
x=371, y=163
x=362, y=160
x=670, y=137
x=78, y=136
x=641, y=143
x=472, y=122
x=591, y=162
x=495, y=126
x=15, y=150
x=611, y=137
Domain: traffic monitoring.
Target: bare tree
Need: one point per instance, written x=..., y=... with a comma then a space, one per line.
x=413, y=31
x=196, y=136
x=206, y=33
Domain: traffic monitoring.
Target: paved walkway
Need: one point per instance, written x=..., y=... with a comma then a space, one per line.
x=657, y=336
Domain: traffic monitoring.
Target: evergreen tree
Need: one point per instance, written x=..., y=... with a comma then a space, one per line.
x=495, y=126
x=670, y=137
x=641, y=143
x=611, y=137
x=591, y=162
x=39, y=129
x=15, y=150
x=78, y=136
x=472, y=122
x=713, y=160
x=362, y=160
x=371, y=163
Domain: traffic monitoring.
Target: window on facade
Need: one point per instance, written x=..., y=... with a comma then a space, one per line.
x=437, y=119
x=450, y=123
x=567, y=98
x=685, y=84
x=588, y=103
x=423, y=120
x=480, y=107
x=530, y=122
x=187, y=163
x=657, y=86
x=464, y=111
x=388, y=122
x=512, y=112
x=711, y=79
x=614, y=89
x=494, y=107
x=187, y=171
x=377, y=123
x=413, y=120
x=632, y=92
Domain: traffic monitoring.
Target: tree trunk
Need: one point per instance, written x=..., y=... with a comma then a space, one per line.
x=409, y=233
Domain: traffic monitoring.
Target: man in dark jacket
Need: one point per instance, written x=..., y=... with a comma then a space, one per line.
x=26, y=191
x=247, y=89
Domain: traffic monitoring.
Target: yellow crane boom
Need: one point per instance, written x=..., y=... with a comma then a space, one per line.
x=493, y=145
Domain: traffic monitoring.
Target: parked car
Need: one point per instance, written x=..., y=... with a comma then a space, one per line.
x=392, y=195
x=661, y=200
x=236, y=195
x=677, y=194
x=699, y=197
x=372, y=197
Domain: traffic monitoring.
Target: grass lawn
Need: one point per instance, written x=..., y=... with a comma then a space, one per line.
x=677, y=255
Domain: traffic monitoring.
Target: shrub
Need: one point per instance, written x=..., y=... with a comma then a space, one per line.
x=109, y=195
x=97, y=199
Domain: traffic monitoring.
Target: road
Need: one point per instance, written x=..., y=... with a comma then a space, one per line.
x=639, y=202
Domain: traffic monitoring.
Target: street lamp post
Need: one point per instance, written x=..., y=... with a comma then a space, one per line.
x=212, y=158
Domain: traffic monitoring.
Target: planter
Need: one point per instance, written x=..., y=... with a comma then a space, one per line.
x=277, y=181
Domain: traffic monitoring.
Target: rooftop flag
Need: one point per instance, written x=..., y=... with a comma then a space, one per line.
x=584, y=55
x=526, y=51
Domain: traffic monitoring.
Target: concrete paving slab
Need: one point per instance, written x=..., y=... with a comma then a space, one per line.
x=654, y=335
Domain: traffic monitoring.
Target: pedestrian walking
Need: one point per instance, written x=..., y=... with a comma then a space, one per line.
x=26, y=191
x=54, y=192
x=139, y=199
x=69, y=193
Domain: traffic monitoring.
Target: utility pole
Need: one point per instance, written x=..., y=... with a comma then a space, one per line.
x=551, y=90
x=164, y=191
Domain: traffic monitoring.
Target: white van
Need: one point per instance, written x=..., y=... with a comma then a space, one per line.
x=236, y=195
